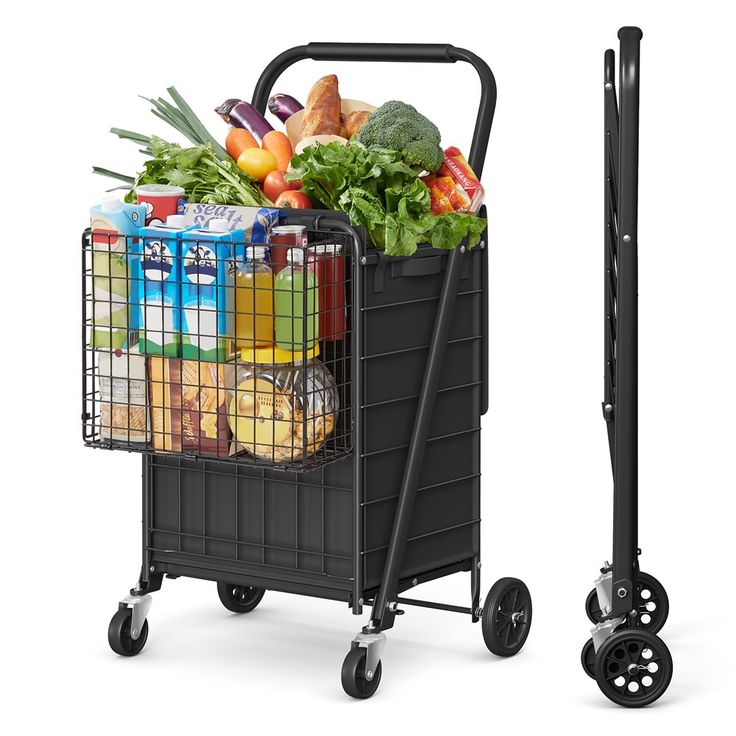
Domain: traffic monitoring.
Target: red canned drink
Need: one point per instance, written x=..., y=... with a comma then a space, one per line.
x=161, y=200
x=283, y=238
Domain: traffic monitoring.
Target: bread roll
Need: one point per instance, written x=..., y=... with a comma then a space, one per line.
x=322, y=112
x=354, y=121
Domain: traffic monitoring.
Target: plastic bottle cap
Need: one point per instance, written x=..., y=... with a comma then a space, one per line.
x=255, y=252
x=296, y=255
x=218, y=225
x=175, y=221
x=110, y=204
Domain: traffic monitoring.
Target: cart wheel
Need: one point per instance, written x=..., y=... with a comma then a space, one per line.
x=587, y=658
x=239, y=598
x=354, y=681
x=118, y=634
x=652, y=605
x=507, y=616
x=633, y=668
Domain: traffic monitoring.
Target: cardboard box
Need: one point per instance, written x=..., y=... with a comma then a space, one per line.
x=188, y=404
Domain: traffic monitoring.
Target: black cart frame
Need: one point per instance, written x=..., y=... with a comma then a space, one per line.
x=506, y=615
x=627, y=606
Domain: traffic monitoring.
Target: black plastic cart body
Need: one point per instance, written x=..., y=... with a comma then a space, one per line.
x=631, y=664
x=388, y=495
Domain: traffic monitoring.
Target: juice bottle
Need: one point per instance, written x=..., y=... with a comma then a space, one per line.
x=254, y=300
x=295, y=301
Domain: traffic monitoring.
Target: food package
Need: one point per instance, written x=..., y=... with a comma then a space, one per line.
x=281, y=413
x=188, y=406
x=122, y=381
x=322, y=112
x=255, y=221
x=466, y=183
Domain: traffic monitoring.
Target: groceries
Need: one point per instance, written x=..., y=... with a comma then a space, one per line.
x=114, y=225
x=123, y=405
x=159, y=273
x=322, y=113
x=207, y=283
x=283, y=239
x=188, y=406
x=329, y=268
x=281, y=412
x=255, y=222
x=454, y=188
x=254, y=300
x=400, y=127
x=380, y=192
x=161, y=200
x=296, y=321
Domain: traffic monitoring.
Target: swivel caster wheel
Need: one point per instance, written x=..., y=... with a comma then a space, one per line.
x=506, y=617
x=120, y=637
x=354, y=677
x=650, y=603
x=587, y=658
x=633, y=668
x=239, y=598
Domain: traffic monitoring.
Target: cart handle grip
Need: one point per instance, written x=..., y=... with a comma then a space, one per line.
x=630, y=38
x=393, y=52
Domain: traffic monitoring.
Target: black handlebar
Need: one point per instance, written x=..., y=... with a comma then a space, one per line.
x=630, y=38
x=393, y=52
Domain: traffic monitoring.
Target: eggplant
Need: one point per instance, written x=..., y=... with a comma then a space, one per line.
x=284, y=106
x=241, y=114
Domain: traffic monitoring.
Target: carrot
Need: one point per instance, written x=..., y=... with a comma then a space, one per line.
x=279, y=145
x=238, y=139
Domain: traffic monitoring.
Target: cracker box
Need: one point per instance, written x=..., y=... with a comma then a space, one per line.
x=188, y=406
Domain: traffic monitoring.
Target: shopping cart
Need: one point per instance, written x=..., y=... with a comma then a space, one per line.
x=387, y=497
x=630, y=663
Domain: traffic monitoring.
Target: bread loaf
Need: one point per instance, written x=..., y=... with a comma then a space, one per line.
x=322, y=112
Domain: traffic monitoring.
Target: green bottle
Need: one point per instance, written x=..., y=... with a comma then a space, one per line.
x=295, y=287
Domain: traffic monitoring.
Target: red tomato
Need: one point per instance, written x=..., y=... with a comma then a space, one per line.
x=295, y=200
x=274, y=184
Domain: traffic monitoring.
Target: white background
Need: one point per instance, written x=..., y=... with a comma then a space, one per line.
x=70, y=539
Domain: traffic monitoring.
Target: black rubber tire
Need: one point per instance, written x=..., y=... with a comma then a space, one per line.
x=118, y=634
x=592, y=609
x=633, y=667
x=239, y=598
x=587, y=659
x=353, y=678
x=507, y=617
x=652, y=605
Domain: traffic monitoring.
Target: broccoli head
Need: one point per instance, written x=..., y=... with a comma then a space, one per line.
x=399, y=127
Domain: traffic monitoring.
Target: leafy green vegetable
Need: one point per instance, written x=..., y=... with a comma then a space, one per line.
x=379, y=192
x=400, y=127
x=203, y=176
x=205, y=171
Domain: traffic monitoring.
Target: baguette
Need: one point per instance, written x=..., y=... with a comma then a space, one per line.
x=322, y=113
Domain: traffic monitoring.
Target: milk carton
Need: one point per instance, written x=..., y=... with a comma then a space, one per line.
x=208, y=291
x=115, y=228
x=158, y=271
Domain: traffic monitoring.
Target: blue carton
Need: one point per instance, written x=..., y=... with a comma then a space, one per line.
x=208, y=291
x=115, y=227
x=158, y=273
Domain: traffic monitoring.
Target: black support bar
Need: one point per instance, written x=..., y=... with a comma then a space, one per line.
x=625, y=463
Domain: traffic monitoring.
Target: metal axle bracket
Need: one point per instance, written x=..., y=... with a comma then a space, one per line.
x=374, y=645
x=140, y=605
x=600, y=632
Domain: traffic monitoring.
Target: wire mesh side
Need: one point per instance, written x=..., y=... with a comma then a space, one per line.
x=190, y=349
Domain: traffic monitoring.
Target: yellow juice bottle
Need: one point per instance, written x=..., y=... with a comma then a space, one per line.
x=254, y=300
